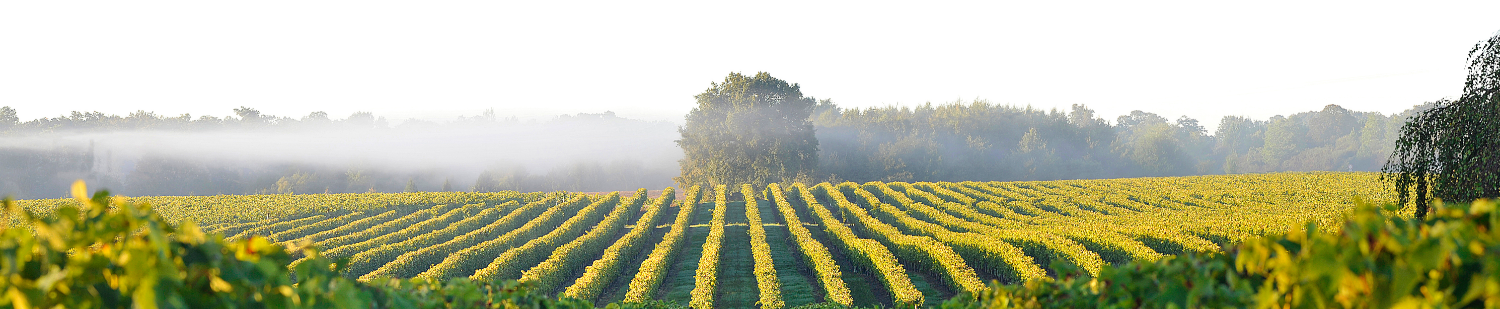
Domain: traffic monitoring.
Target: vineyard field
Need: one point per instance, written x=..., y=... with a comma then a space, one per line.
x=892, y=244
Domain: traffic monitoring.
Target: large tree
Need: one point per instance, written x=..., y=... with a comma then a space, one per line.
x=1452, y=152
x=749, y=129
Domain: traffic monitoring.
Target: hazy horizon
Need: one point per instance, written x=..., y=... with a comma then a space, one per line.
x=607, y=151
x=535, y=116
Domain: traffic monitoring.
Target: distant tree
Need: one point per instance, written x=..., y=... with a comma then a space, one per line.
x=447, y=185
x=411, y=185
x=142, y=119
x=1190, y=126
x=749, y=129
x=1137, y=118
x=316, y=117
x=297, y=183
x=8, y=118
x=1328, y=125
x=1034, y=157
x=1195, y=145
x=207, y=121
x=250, y=116
x=1151, y=144
x=361, y=119
x=1453, y=151
x=908, y=158
x=1158, y=152
x=1282, y=139
x=1238, y=134
x=357, y=180
x=1083, y=116
x=503, y=178
x=1376, y=141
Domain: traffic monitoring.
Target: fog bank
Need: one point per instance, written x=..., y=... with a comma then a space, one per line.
x=344, y=157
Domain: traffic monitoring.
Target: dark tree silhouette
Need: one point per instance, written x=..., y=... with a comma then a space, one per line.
x=1452, y=152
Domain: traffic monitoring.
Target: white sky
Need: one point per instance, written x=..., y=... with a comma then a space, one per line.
x=441, y=59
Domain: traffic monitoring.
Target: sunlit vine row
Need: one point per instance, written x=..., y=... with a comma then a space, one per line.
x=654, y=267
x=413, y=263
x=559, y=266
x=765, y=269
x=867, y=253
x=935, y=256
x=510, y=264
x=1001, y=259
x=598, y=275
x=464, y=262
x=361, y=265
x=813, y=252
x=706, y=277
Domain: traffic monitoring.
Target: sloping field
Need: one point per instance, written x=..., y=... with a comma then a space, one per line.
x=892, y=244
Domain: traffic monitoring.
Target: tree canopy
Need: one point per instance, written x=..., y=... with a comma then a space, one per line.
x=1452, y=152
x=749, y=129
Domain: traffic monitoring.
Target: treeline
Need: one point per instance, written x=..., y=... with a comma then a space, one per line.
x=963, y=141
x=40, y=156
x=985, y=142
x=244, y=117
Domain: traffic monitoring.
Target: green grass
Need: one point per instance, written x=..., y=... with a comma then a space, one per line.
x=934, y=292
x=737, y=287
x=677, y=287
x=797, y=281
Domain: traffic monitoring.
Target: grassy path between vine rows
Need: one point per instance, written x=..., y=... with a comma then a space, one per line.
x=677, y=286
x=798, y=283
x=737, y=287
x=934, y=292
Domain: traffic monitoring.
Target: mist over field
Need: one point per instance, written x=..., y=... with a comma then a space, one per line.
x=571, y=152
x=251, y=153
x=540, y=146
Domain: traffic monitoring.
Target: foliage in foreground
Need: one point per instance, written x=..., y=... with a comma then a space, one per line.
x=111, y=253
x=1378, y=260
